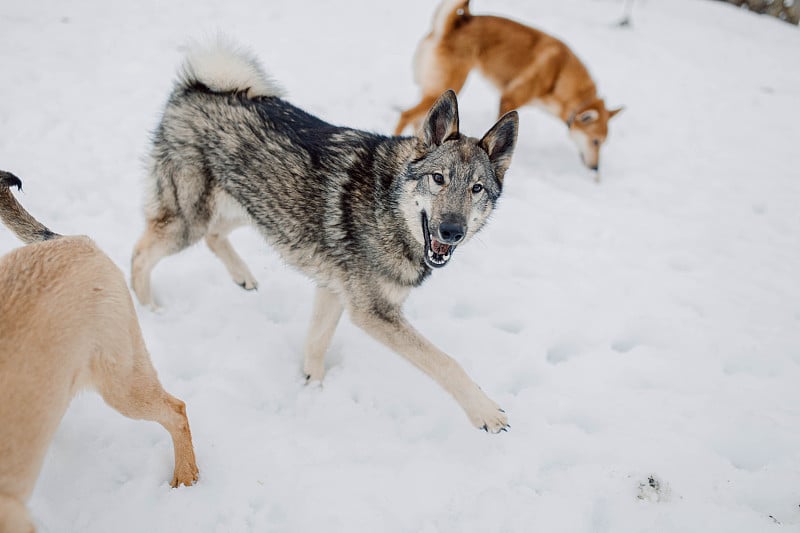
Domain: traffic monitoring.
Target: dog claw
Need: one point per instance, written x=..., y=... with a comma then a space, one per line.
x=243, y=285
x=313, y=382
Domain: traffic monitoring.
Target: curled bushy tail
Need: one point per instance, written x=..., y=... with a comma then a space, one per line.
x=223, y=66
x=448, y=14
x=13, y=215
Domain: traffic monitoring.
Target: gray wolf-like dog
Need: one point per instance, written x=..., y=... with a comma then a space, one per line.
x=67, y=322
x=366, y=216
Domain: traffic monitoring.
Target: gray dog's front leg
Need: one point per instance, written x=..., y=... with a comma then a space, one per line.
x=324, y=318
x=394, y=331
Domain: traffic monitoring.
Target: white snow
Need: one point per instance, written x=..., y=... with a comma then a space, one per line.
x=645, y=326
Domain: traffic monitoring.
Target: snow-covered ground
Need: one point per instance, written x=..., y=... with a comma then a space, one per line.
x=645, y=326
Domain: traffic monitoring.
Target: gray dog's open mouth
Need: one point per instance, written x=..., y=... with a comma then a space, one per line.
x=437, y=254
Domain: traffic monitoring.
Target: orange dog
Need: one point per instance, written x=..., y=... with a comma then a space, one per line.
x=526, y=65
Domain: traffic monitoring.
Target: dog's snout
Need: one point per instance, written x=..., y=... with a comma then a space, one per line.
x=452, y=231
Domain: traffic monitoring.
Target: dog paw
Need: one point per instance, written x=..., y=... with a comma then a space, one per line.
x=494, y=423
x=487, y=415
x=185, y=475
x=248, y=284
x=154, y=308
x=313, y=373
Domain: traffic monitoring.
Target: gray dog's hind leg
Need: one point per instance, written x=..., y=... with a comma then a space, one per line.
x=161, y=238
x=217, y=240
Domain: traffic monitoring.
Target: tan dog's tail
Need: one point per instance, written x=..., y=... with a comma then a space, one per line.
x=27, y=228
x=448, y=15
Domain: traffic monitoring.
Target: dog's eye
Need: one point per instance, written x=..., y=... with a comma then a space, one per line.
x=477, y=188
x=438, y=179
x=596, y=142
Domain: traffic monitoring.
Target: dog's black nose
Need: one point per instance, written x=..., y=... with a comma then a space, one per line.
x=595, y=167
x=451, y=232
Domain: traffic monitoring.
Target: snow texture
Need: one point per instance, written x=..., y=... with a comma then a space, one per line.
x=647, y=327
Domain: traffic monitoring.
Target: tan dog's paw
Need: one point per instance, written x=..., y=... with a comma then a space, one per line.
x=185, y=475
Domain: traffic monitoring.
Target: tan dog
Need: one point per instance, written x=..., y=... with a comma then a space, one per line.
x=67, y=322
x=526, y=65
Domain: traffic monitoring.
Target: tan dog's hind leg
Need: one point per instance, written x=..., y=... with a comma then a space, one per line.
x=128, y=383
x=217, y=240
x=389, y=327
x=324, y=318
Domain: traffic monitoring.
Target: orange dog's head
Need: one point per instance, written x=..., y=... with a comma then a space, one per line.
x=588, y=128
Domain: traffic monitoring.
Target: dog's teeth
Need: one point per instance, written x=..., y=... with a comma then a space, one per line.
x=446, y=257
x=430, y=254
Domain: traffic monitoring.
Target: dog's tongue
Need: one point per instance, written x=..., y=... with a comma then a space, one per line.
x=439, y=248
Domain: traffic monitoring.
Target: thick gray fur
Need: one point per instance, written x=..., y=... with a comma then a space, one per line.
x=346, y=207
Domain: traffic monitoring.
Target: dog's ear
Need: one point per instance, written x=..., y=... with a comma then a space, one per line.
x=588, y=116
x=441, y=122
x=499, y=142
x=612, y=112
